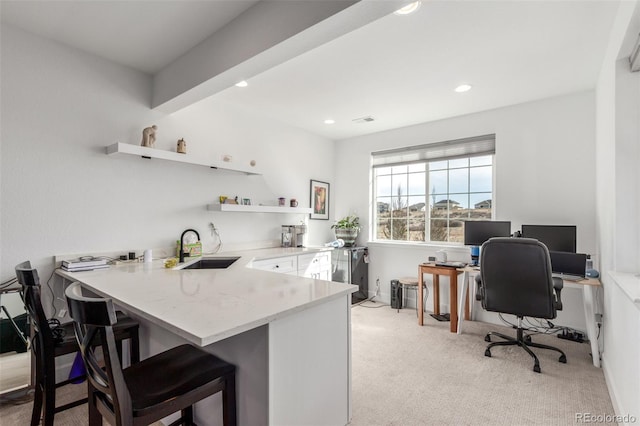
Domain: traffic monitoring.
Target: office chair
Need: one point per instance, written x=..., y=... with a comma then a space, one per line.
x=152, y=389
x=51, y=340
x=515, y=278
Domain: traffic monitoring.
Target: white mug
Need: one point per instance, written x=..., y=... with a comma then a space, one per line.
x=148, y=256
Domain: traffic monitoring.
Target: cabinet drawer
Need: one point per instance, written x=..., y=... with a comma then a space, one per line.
x=314, y=259
x=277, y=264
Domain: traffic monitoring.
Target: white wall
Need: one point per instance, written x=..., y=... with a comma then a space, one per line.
x=618, y=200
x=544, y=173
x=62, y=194
x=627, y=157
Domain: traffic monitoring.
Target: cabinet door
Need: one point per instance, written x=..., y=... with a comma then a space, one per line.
x=282, y=265
x=315, y=265
x=324, y=273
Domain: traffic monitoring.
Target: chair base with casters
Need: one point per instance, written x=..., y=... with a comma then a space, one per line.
x=51, y=340
x=516, y=278
x=524, y=342
x=169, y=382
x=411, y=283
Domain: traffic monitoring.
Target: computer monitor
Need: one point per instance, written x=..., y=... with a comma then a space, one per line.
x=568, y=263
x=555, y=237
x=476, y=232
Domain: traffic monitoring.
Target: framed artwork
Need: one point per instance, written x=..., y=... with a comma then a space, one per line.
x=319, y=200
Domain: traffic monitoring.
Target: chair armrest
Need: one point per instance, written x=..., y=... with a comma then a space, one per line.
x=479, y=288
x=557, y=286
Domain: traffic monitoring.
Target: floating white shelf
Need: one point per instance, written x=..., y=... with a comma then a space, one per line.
x=146, y=152
x=257, y=209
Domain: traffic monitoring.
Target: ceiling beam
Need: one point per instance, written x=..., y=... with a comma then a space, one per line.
x=267, y=34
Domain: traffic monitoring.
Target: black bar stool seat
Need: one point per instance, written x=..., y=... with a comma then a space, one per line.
x=184, y=368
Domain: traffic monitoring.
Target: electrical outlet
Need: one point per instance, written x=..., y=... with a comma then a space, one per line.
x=62, y=313
x=599, y=318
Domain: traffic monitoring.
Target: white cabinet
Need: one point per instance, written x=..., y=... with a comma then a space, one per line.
x=311, y=265
x=315, y=265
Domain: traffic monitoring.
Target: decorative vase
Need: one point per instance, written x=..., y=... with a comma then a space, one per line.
x=348, y=235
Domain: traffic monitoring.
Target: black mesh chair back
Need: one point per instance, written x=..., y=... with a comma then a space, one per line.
x=515, y=278
x=152, y=389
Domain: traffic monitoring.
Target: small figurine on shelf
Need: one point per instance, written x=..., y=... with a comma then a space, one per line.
x=182, y=146
x=149, y=136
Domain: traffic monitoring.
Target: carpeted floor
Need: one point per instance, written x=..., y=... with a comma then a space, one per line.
x=407, y=375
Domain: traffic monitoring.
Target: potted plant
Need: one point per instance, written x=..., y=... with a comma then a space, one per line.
x=347, y=229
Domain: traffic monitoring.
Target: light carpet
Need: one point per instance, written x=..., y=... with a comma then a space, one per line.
x=404, y=374
x=407, y=375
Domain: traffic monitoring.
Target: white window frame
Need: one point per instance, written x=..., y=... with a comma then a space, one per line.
x=425, y=154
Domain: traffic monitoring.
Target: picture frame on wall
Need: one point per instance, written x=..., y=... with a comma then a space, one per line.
x=319, y=196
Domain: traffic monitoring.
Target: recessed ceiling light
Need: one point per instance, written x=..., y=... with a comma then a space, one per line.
x=463, y=88
x=329, y=121
x=242, y=84
x=410, y=8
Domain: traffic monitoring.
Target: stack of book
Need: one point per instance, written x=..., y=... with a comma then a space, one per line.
x=84, y=265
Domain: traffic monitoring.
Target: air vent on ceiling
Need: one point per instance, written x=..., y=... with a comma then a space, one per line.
x=366, y=119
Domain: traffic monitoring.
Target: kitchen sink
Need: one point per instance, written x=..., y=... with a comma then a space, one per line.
x=213, y=263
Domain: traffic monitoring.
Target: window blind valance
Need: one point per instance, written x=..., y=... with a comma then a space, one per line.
x=467, y=147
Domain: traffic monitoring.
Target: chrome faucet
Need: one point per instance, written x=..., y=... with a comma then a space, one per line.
x=182, y=242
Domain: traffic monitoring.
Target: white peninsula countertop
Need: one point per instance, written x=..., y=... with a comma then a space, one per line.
x=207, y=305
x=289, y=336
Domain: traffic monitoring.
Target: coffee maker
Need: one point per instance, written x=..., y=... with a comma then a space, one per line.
x=293, y=235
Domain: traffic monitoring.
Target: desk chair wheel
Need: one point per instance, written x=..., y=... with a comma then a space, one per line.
x=527, y=338
x=563, y=359
x=536, y=367
x=487, y=352
x=487, y=338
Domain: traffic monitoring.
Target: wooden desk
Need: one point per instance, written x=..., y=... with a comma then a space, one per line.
x=436, y=271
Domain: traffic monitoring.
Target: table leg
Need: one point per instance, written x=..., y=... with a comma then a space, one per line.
x=472, y=295
x=588, y=293
x=453, y=300
x=465, y=289
x=420, y=302
x=436, y=294
x=467, y=309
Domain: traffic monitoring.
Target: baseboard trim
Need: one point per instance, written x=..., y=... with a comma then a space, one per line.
x=611, y=387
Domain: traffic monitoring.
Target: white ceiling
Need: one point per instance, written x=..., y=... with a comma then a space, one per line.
x=145, y=35
x=399, y=69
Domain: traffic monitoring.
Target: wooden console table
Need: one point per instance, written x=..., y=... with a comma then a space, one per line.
x=436, y=271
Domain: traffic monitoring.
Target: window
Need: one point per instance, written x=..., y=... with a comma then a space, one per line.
x=425, y=193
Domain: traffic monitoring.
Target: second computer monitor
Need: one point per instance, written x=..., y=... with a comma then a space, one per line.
x=476, y=232
x=555, y=237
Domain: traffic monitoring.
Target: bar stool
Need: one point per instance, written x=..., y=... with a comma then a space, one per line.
x=407, y=283
x=152, y=389
x=52, y=339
